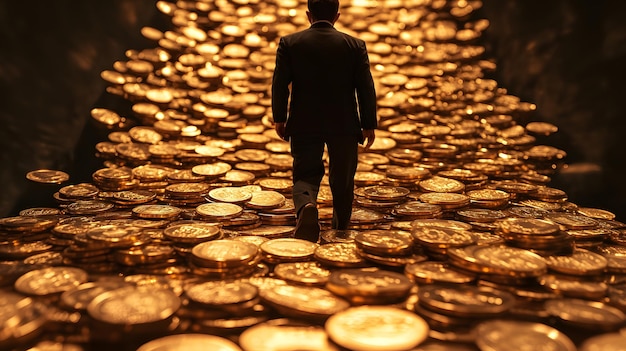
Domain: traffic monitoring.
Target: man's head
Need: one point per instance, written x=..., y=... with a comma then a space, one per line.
x=327, y=10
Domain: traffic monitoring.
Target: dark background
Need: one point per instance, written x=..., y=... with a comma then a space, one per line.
x=566, y=56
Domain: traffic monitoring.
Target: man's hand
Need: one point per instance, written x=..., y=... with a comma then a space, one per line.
x=280, y=130
x=368, y=137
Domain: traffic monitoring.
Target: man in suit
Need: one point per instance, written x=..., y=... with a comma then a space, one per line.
x=333, y=103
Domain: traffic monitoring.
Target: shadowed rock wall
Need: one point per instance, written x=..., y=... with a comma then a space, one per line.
x=569, y=58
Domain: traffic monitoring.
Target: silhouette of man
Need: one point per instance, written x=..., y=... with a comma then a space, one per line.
x=333, y=103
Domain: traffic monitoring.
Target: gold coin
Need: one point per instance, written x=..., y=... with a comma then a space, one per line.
x=134, y=305
x=607, y=341
x=230, y=194
x=222, y=292
x=580, y=262
x=439, y=236
x=277, y=184
x=340, y=254
x=596, y=213
x=192, y=232
x=431, y=272
x=300, y=301
x=500, y=259
x=284, y=334
x=585, y=314
x=288, y=250
x=377, y=328
x=219, y=210
x=515, y=335
x=305, y=273
x=182, y=342
x=50, y=280
x=574, y=288
x=369, y=285
x=465, y=301
x=79, y=191
x=266, y=199
x=47, y=176
x=382, y=192
x=385, y=242
x=224, y=253
x=212, y=170
x=527, y=226
x=408, y=173
x=446, y=200
x=441, y=185
x=156, y=211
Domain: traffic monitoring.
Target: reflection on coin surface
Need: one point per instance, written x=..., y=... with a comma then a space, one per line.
x=189, y=342
x=377, y=328
x=504, y=335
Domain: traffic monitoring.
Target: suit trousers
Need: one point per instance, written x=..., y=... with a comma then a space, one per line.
x=308, y=170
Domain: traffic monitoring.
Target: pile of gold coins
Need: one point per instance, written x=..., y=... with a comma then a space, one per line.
x=184, y=239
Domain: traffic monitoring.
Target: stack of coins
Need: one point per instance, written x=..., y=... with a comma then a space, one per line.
x=188, y=227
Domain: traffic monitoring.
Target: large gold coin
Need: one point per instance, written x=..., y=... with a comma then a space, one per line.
x=219, y=210
x=377, y=328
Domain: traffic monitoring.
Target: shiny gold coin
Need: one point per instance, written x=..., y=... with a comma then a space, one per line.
x=212, y=170
x=607, y=341
x=596, y=213
x=285, y=334
x=527, y=226
x=585, y=313
x=377, y=328
x=79, y=191
x=304, y=301
x=441, y=185
x=502, y=260
x=369, y=286
x=51, y=280
x=580, y=262
x=574, y=288
x=186, y=342
x=340, y=254
x=230, y=194
x=276, y=184
x=382, y=192
x=221, y=293
x=287, y=250
x=431, y=272
x=507, y=335
x=224, y=253
x=465, y=301
x=445, y=200
x=219, y=210
x=134, y=305
x=441, y=237
x=156, y=211
x=305, y=273
x=47, y=176
x=385, y=242
x=266, y=199
x=192, y=232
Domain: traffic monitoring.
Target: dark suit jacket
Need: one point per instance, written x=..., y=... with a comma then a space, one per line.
x=328, y=71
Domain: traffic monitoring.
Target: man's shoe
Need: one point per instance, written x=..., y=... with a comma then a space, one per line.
x=308, y=227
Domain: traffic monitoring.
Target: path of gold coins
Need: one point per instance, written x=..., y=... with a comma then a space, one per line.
x=183, y=241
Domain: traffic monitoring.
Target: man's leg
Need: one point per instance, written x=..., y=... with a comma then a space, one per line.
x=343, y=160
x=308, y=170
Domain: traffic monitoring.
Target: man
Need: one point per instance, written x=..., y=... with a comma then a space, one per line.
x=333, y=103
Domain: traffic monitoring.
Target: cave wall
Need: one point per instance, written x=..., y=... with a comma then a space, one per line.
x=568, y=57
x=51, y=56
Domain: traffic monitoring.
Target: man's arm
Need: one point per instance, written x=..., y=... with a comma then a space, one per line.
x=366, y=95
x=280, y=84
